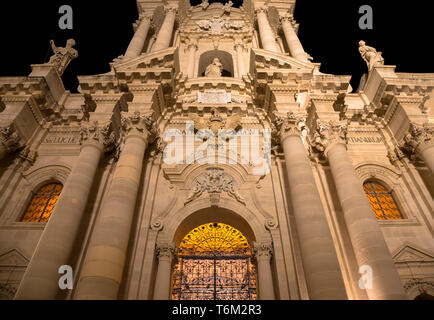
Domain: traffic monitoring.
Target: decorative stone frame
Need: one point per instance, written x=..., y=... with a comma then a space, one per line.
x=389, y=177
x=32, y=181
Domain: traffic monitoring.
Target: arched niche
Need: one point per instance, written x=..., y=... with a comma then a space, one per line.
x=226, y=60
x=213, y=214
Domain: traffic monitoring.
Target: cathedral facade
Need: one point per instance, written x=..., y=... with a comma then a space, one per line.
x=216, y=161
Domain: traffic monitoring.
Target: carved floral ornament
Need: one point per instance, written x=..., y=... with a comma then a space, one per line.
x=214, y=181
x=418, y=138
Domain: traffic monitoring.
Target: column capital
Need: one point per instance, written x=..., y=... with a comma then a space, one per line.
x=263, y=250
x=139, y=123
x=165, y=250
x=290, y=125
x=418, y=138
x=170, y=9
x=262, y=9
x=329, y=134
x=9, y=139
x=100, y=136
x=287, y=17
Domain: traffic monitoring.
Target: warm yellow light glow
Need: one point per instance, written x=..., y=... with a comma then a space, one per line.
x=214, y=263
x=214, y=237
x=42, y=204
x=382, y=202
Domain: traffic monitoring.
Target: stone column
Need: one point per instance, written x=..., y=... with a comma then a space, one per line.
x=239, y=47
x=165, y=255
x=420, y=140
x=55, y=247
x=262, y=254
x=320, y=262
x=103, y=267
x=294, y=44
x=137, y=43
x=191, y=49
x=166, y=31
x=366, y=237
x=266, y=33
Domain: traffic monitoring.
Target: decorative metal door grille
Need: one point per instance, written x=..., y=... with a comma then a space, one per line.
x=223, y=271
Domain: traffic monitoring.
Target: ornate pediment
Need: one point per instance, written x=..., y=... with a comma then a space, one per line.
x=410, y=253
x=13, y=258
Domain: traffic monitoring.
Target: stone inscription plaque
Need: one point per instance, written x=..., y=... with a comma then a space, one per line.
x=214, y=97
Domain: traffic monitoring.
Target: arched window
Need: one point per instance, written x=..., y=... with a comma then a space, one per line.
x=382, y=202
x=214, y=263
x=42, y=203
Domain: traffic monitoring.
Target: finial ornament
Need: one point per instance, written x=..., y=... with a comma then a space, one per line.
x=372, y=57
x=63, y=56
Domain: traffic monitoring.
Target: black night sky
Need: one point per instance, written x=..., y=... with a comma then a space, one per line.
x=328, y=30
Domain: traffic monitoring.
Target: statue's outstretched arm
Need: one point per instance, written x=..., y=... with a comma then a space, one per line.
x=53, y=46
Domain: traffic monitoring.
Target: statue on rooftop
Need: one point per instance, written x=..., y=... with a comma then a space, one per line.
x=370, y=55
x=63, y=56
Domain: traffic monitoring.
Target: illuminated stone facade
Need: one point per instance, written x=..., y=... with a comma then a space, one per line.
x=124, y=211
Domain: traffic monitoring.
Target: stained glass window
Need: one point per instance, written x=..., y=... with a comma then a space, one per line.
x=382, y=202
x=214, y=263
x=42, y=204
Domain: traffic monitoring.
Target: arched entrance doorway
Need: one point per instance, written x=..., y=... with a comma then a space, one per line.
x=214, y=263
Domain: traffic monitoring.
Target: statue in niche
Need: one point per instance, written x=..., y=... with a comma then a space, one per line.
x=227, y=8
x=204, y=4
x=370, y=55
x=63, y=56
x=214, y=70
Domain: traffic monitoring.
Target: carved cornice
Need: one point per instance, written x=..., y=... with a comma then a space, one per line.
x=418, y=138
x=328, y=134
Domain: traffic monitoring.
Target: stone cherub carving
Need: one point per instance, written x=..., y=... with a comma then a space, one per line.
x=63, y=56
x=214, y=69
x=370, y=55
